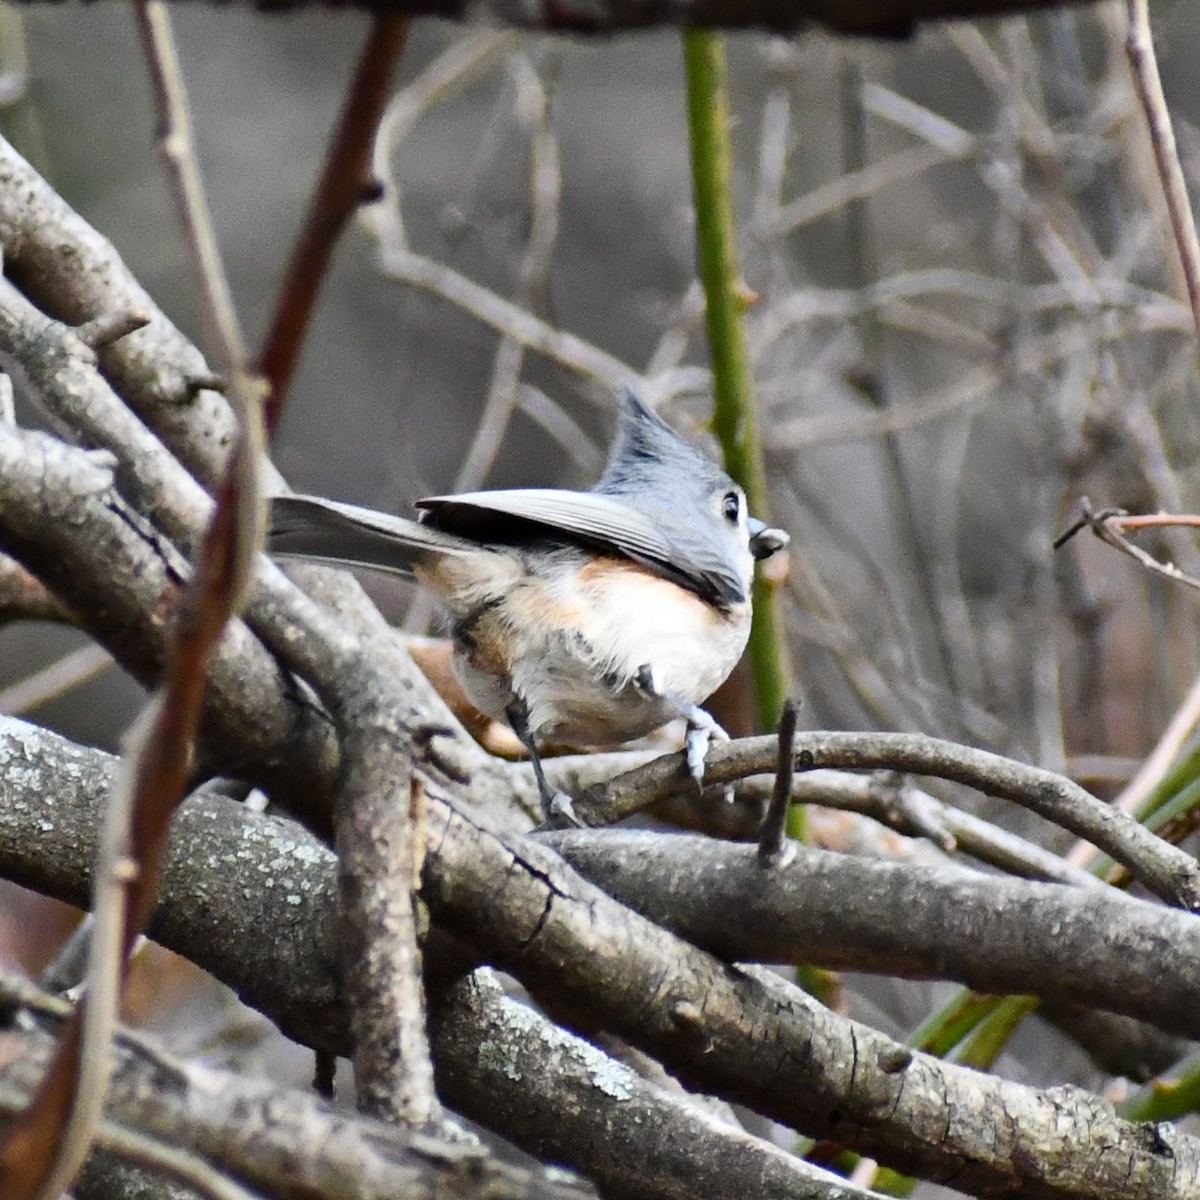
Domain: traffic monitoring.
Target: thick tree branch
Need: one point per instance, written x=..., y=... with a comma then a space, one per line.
x=586, y=1098
x=747, y=1036
x=1097, y=949
x=62, y=518
x=276, y=878
x=379, y=804
x=75, y=274
x=754, y=1039
x=285, y=1141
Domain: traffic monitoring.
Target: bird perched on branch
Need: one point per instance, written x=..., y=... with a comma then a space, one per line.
x=583, y=618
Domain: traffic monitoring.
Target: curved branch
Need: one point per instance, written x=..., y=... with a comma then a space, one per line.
x=1164, y=869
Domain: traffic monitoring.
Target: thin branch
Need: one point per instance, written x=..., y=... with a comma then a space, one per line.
x=191, y=1172
x=48, y=1144
x=859, y=184
x=896, y=803
x=773, y=841
x=23, y=598
x=107, y=328
x=62, y=676
x=1059, y=255
x=401, y=264
x=1153, y=769
x=1164, y=869
x=1110, y=526
x=545, y=188
x=179, y=153
x=1139, y=47
x=344, y=184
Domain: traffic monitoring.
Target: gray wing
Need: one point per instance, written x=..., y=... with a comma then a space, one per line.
x=582, y=514
x=591, y=518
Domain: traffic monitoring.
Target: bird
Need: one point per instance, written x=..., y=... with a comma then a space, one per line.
x=582, y=618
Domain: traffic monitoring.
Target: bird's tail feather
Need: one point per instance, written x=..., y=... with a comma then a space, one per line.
x=326, y=531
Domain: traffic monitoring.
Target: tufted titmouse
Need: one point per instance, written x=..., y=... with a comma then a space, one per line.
x=584, y=618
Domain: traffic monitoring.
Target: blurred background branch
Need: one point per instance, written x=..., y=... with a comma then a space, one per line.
x=871, y=18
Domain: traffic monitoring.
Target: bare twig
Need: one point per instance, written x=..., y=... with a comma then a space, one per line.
x=1139, y=47
x=1060, y=256
x=23, y=598
x=545, y=187
x=62, y=676
x=195, y=1174
x=773, y=842
x=1168, y=747
x=1152, y=770
x=236, y=532
x=1111, y=525
x=562, y=427
x=405, y=266
x=508, y=362
x=859, y=184
x=344, y=185
x=107, y=328
x=898, y=804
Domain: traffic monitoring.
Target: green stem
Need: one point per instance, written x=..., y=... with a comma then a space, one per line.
x=993, y=1034
x=733, y=411
x=1166, y=1099
x=945, y=1029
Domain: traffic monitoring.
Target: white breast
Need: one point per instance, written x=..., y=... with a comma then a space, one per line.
x=580, y=690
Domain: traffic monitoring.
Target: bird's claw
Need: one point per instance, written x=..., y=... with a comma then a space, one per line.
x=702, y=729
x=560, y=811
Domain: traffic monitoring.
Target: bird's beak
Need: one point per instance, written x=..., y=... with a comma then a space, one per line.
x=763, y=541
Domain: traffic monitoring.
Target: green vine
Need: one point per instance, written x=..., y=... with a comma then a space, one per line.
x=733, y=414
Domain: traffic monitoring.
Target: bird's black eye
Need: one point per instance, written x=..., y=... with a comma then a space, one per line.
x=731, y=506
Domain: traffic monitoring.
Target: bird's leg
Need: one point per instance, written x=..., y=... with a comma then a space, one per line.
x=702, y=727
x=556, y=806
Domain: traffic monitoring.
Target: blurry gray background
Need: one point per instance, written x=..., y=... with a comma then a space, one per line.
x=943, y=364
x=967, y=316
